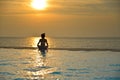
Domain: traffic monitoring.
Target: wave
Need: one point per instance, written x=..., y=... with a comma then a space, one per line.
x=69, y=49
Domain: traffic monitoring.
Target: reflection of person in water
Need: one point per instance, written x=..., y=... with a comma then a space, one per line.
x=43, y=45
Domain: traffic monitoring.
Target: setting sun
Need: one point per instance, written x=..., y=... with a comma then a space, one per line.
x=39, y=4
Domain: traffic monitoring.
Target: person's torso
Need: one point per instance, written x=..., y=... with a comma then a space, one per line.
x=43, y=42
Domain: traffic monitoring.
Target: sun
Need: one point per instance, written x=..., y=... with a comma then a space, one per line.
x=39, y=4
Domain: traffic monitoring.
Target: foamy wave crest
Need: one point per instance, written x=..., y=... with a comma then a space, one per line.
x=69, y=49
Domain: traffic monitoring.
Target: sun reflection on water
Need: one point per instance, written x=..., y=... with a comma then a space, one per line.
x=39, y=68
x=34, y=41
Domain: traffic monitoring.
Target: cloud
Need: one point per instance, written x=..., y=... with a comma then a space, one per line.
x=86, y=6
x=112, y=5
x=62, y=7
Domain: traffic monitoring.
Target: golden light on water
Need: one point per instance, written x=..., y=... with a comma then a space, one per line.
x=39, y=4
x=34, y=41
x=39, y=67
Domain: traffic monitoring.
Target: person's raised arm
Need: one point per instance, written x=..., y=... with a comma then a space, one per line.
x=47, y=43
x=38, y=43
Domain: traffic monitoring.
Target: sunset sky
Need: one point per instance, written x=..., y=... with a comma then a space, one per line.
x=60, y=18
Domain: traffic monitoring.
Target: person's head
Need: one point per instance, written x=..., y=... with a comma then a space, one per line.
x=43, y=35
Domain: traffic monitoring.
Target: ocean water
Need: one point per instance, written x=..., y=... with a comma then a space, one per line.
x=66, y=59
x=62, y=43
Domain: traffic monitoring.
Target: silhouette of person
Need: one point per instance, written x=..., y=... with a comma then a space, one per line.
x=43, y=45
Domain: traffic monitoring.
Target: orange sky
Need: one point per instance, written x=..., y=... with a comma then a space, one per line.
x=72, y=18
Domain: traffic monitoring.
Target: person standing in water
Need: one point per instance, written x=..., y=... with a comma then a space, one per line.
x=43, y=45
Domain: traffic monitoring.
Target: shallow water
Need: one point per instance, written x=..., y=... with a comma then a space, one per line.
x=84, y=43
x=26, y=64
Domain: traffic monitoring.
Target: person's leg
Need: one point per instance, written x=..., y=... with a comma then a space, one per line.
x=43, y=53
x=44, y=58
